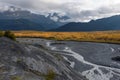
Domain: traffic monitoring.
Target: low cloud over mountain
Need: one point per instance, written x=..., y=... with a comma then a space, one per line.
x=77, y=10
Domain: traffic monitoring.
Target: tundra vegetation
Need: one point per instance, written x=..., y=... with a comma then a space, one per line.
x=16, y=78
x=103, y=36
x=8, y=34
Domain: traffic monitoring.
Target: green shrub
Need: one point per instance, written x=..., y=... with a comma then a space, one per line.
x=1, y=33
x=16, y=78
x=50, y=75
x=10, y=35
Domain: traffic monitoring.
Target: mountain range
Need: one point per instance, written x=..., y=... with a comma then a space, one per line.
x=110, y=23
x=18, y=19
x=19, y=24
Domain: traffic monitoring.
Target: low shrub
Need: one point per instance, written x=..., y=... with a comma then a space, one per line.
x=16, y=78
x=1, y=33
x=10, y=35
x=50, y=75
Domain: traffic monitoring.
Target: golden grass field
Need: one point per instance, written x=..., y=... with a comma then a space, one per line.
x=105, y=36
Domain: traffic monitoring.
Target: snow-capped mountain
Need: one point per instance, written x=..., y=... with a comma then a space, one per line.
x=12, y=13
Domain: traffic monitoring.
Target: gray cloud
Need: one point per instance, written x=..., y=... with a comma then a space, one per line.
x=77, y=10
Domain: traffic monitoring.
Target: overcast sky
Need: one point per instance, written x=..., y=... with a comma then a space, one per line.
x=77, y=10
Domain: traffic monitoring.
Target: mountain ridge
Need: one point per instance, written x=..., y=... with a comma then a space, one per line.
x=104, y=24
x=19, y=24
x=46, y=21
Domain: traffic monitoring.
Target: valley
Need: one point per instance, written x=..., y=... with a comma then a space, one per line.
x=83, y=60
x=97, y=36
x=59, y=40
x=93, y=60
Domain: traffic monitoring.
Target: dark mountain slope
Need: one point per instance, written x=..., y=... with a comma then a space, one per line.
x=46, y=22
x=19, y=24
x=111, y=23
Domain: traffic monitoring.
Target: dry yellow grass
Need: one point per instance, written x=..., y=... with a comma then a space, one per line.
x=106, y=36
